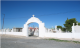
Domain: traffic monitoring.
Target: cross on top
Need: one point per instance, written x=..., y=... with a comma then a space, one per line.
x=33, y=15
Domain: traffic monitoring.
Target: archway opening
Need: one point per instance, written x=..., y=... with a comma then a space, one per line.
x=33, y=29
x=40, y=24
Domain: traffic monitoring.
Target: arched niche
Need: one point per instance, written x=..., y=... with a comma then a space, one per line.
x=36, y=20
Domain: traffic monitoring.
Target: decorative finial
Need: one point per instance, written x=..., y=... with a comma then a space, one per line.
x=73, y=24
x=33, y=15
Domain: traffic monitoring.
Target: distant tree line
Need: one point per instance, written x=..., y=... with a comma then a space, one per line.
x=68, y=24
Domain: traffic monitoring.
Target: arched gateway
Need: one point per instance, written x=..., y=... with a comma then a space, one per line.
x=36, y=20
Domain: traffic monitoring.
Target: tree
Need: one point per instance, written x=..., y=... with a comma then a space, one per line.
x=68, y=24
x=63, y=29
x=79, y=23
x=59, y=27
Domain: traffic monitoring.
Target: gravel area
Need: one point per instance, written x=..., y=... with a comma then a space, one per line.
x=8, y=41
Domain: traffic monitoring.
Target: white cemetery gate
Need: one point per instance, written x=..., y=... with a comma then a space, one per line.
x=36, y=20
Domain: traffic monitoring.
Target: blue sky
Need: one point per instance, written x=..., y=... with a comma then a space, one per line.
x=50, y=12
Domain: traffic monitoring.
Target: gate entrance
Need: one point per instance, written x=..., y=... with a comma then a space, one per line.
x=33, y=30
x=36, y=20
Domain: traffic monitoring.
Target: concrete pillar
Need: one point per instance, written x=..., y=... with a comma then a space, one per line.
x=56, y=28
x=73, y=24
x=25, y=30
x=77, y=24
x=73, y=32
x=41, y=30
x=72, y=29
x=12, y=30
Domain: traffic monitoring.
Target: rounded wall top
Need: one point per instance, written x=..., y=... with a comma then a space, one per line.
x=33, y=19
